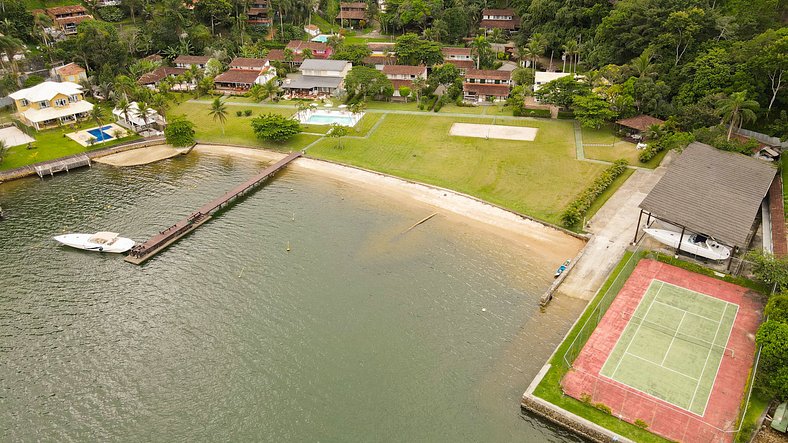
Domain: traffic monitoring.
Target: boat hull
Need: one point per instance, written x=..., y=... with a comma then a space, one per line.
x=82, y=241
x=708, y=249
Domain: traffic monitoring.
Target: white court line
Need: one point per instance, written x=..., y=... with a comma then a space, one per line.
x=663, y=367
x=684, y=310
x=675, y=333
x=719, y=323
x=626, y=351
x=719, y=364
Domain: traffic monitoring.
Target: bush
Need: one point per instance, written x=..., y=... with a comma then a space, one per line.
x=111, y=14
x=575, y=211
x=566, y=115
x=604, y=408
x=247, y=112
x=179, y=132
x=275, y=127
x=641, y=424
x=239, y=113
x=32, y=80
x=539, y=113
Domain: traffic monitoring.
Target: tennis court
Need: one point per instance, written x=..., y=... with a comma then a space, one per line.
x=673, y=345
x=673, y=352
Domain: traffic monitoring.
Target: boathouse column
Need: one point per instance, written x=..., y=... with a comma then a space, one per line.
x=681, y=239
x=637, y=228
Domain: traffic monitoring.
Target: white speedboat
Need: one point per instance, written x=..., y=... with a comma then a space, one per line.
x=100, y=241
x=696, y=244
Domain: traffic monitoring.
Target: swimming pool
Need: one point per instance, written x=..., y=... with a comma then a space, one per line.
x=322, y=38
x=326, y=117
x=100, y=133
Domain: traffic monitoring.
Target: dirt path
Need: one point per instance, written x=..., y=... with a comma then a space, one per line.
x=613, y=227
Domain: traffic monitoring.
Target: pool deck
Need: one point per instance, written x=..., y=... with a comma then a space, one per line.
x=82, y=137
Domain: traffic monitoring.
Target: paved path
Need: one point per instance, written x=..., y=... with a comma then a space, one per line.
x=613, y=229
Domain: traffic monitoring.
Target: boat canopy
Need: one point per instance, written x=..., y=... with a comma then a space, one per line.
x=103, y=237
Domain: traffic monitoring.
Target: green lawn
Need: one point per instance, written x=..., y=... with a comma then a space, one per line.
x=616, y=148
x=51, y=144
x=602, y=135
x=237, y=130
x=536, y=178
x=42, y=4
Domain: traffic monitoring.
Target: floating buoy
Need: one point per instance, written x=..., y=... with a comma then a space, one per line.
x=294, y=216
x=484, y=309
x=288, y=246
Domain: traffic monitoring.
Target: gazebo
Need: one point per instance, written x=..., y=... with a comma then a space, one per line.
x=636, y=126
x=711, y=192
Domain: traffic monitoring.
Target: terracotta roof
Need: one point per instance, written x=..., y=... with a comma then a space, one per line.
x=158, y=74
x=404, y=70
x=491, y=11
x=237, y=76
x=192, y=59
x=352, y=15
x=312, y=27
x=641, y=122
x=279, y=55
x=379, y=60
x=399, y=83
x=78, y=19
x=153, y=58
x=380, y=46
x=361, y=5
x=485, y=89
x=462, y=64
x=71, y=9
x=70, y=69
x=244, y=62
x=488, y=74
x=300, y=45
x=456, y=51
x=500, y=24
x=712, y=192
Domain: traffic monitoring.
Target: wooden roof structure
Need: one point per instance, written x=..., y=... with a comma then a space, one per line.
x=640, y=123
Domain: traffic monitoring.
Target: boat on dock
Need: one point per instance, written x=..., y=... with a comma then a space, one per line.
x=99, y=242
x=696, y=244
x=562, y=268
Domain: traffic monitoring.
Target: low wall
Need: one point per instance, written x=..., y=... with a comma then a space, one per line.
x=572, y=422
x=26, y=171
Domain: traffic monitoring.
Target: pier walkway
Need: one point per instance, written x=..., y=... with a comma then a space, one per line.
x=158, y=242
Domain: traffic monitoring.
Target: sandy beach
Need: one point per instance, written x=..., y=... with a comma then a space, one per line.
x=553, y=244
x=141, y=156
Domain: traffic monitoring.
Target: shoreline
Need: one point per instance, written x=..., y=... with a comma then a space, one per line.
x=551, y=242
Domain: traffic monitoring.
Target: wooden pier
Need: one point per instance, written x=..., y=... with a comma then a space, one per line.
x=143, y=251
x=65, y=164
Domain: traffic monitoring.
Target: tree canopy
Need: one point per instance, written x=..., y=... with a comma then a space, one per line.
x=275, y=127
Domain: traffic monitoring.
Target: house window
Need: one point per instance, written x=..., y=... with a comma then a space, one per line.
x=24, y=102
x=43, y=104
x=61, y=102
x=73, y=98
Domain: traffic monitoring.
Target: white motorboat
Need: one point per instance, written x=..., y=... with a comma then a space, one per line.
x=692, y=243
x=100, y=241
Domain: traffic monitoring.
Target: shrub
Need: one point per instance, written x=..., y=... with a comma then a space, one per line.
x=604, y=408
x=247, y=112
x=239, y=113
x=179, y=132
x=585, y=398
x=567, y=115
x=580, y=205
x=641, y=424
x=275, y=127
x=540, y=113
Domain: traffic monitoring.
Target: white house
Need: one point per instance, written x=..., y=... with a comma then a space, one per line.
x=318, y=77
x=138, y=123
x=546, y=77
x=51, y=104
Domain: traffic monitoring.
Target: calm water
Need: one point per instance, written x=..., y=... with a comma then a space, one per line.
x=359, y=333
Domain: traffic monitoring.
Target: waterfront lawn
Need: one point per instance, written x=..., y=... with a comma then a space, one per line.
x=535, y=178
x=52, y=144
x=625, y=150
x=238, y=130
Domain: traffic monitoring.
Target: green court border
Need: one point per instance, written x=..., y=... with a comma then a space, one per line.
x=719, y=363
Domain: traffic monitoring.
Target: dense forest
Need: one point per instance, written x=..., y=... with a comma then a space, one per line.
x=685, y=59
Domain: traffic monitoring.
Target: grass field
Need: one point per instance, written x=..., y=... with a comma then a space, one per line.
x=537, y=178
x=673, y=345
x=51, y=144
x=622, y=149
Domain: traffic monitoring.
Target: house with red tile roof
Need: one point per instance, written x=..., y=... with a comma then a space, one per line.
x=481, y=85
x=505, y=19
x=71, y=72
x=351, y=13
x=257, y=14
x=459, y=57
x=65, y=19
x=403, y=75
x=318, y=49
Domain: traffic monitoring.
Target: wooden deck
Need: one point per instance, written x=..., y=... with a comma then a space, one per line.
x=143, y=251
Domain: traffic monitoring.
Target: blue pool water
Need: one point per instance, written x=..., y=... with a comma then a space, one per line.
x=322, y=38
x=322, y=119
x=100, y=133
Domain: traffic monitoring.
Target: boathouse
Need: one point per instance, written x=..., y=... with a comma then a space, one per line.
x=717, y=193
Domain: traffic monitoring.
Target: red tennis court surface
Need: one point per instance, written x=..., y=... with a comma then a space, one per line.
x=718, y=423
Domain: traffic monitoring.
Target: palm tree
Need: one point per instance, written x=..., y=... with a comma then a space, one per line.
x=307, y=54
x=570, y=50
x=480, y=46
x=736, y=109
x=125, y=110
x=3, y=149
x=521, y=53
x=419, y=83
x=536, y=47
x=41, y=22
x=271, y=89
x=10, y=46
x=219, y=112
x=97, y=114
x=642, y=64
x=144, y=112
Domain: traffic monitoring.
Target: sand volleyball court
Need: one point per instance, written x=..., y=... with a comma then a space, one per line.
x=493, y=131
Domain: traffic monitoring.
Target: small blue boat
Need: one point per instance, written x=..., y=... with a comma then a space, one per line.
x=562, y=268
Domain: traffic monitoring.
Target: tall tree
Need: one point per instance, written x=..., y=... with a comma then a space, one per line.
x=482, y=50
x=736, y=109
x=219, y=112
